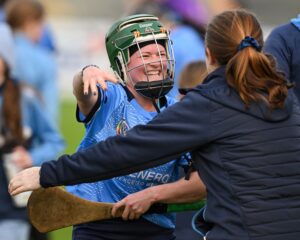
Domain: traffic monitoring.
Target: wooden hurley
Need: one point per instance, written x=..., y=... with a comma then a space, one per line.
x=54, y=208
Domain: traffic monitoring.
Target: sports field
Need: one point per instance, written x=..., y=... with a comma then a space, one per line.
x=72, y=132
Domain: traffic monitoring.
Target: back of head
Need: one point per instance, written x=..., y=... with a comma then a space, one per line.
x=192, y=75
x=19, y=12
x=235, y=40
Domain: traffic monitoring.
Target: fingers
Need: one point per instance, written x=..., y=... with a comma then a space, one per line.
x=131, y=212
x=14, y=186
x=93, y=86
x=17, y=191
x=92, y=76
x=102, y=83
x=86, y=86
x=26, y=180
x=126, y=212
x=110, y=77
x=116, y=207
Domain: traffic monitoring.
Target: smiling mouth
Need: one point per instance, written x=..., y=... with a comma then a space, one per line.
x=153, y=73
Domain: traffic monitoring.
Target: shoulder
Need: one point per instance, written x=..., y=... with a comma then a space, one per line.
x=107, y=102
x=282, y=32
x=282, y=40
x=115, y=93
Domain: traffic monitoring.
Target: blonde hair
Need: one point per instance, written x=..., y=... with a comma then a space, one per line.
x=192, y=74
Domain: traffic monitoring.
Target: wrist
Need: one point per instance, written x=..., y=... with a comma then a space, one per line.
x=154, y=194
x=86, y=67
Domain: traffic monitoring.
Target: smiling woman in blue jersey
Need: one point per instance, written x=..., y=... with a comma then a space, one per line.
x=140, y=53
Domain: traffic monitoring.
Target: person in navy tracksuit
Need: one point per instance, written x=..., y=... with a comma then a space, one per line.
x=245, y=142
x=284, y=44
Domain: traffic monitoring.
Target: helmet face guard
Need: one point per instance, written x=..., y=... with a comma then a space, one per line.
x=135, y=32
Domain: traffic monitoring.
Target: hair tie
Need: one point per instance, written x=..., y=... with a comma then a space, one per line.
x=249, y=42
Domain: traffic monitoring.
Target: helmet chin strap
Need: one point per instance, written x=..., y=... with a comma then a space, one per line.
x=157, y=108
x=154, y=90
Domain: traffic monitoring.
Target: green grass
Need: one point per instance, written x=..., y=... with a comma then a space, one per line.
x=73, y=132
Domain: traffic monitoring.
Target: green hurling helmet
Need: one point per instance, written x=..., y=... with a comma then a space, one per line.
x=132, y=31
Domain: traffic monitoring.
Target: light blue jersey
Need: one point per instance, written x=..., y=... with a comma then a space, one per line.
x=116, y=115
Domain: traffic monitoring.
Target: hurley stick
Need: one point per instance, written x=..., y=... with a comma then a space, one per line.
x=53, y=208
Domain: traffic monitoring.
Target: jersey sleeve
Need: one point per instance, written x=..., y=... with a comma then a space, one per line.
x=107, y=101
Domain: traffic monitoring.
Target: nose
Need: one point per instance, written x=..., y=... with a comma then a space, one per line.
x=156, y=62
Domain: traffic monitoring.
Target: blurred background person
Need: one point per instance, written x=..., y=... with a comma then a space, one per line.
x=27, y=138
x=192, y=75
x=35, y=65
x=187, y=20
x=47, y=39
x=217, y=6
x=284, y=44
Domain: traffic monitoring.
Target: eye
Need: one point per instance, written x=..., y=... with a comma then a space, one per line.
x=163, y=54
x=145, y=55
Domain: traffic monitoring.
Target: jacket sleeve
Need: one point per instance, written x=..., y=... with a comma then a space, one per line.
x=180, y=128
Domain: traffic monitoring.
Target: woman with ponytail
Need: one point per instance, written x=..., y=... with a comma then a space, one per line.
x=26, y=139
x=242, y=127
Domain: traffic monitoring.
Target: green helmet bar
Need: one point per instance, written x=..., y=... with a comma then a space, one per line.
x=134, y=30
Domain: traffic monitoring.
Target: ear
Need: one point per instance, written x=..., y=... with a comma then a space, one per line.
x=211, y=60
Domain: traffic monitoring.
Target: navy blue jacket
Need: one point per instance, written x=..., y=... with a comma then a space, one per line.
x=284, y=44
x=249, y=159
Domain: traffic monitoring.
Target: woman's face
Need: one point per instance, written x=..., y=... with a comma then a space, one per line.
x=155, y=59
x=2, y=71
x=34, y=29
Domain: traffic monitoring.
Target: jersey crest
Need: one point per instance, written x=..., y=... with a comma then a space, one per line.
x=122, y=128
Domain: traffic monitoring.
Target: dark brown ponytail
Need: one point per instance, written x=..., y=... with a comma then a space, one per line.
x=248, y=70
x=11, y=110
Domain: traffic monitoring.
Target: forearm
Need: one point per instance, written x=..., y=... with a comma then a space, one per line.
x=182, y=191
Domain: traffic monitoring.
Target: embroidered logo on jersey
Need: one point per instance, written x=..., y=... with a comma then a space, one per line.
x=122, y=128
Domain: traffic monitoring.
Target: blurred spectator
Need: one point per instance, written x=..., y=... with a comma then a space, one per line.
x=192, y=75
x=284, y=44
x=35, y=65
x=47, y=40
x=187, y=20
x=27, y=138
x=217, y=6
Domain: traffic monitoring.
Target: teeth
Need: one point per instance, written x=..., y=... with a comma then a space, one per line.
x=153, y=73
